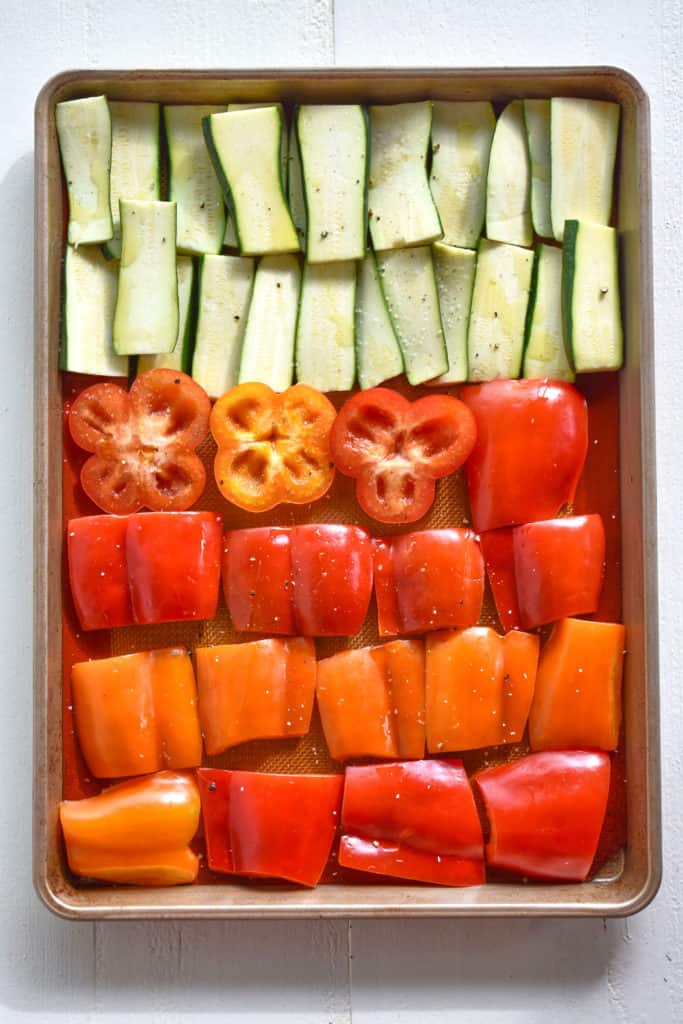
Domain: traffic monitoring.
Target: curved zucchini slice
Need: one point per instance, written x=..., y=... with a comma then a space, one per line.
x=409, y=285
x=545, y=354
x=84, y=134
x=87, y=319
x=455, y=280
x=146, y=315
x=245, y=147
x=583, y=147
x=268, y=347
x=192, y=181
x=181, y=356
x=225, y=284
x=325, y=332
x=537, y=121
x=495, y=338
x=378, y=354
x=508, y=185
x=461, y=144
x=295, y=190
x=333, y=143
x=135, y=161
x=401, y=208
x=590, y=297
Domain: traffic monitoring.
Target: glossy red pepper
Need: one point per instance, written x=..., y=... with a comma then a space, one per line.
x=532, y=437
x=269, y=826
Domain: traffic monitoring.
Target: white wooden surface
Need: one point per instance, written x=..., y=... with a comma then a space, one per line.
x=329, y=972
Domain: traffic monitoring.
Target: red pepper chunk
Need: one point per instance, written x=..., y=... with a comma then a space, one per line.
x=499, y=556
x=431, y=579
x=414, y=820
x=546, y=813
x=371, y=701
x=311, y=580
x=532, y=438
x=267, y=825
x=98, y=571
x=260, y=690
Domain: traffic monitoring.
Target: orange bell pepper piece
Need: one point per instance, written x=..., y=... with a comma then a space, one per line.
x=136, y=832
x=272, y=448
x=137, y=713
x=371, y=701
x=479, y=687
x=259, y=690
x=577, y=702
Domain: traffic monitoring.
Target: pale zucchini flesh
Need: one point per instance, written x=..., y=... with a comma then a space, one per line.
x=325, y=331
x=181, y=356
x=409, y=286
x=268, y=346
x=284, y=145
x=537, y=121
x=508, y=183
x=378, y=354
x=455, y=270
x=401, y=209
x=461, y=143
x=225, y=284
x=495, y=338
x=193, y=184
x=333, y=144
x=90, y=283
x=146, y=315
x=135, y=160
x=245, y=147
x=590, y=297
x=583, y=146
x=545, y=353
x=84, y=135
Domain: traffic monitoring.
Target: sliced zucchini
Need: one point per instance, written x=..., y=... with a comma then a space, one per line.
x=245, y=148
x=461, y=144
x=583, y=147
x=225, y=284
x=295, y=190
x=88, y=314
x=409, y=285
x=192, y=181
x=181, y=356
x=508, y=184
x=455, y=280
x=378, y=354
x=268, y=347
x=333, y=143
x=590, y=297
x=135, y=161
x=230, y=235
x=325, y=334
x=401, y=208
x=545, y=354
x=495, y=338
x=284, y=145
x=537, y=122
x=146, y=314
x=84, y=134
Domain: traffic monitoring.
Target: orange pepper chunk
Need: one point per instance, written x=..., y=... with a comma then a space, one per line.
x=479, y=687
x=137, y=713
x=371, y=701
x=577, y=701
x=272, y=448
x=136, y=832
x=258, y=690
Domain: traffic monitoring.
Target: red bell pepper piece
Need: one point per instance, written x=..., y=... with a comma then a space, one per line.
x=430, y=579
x=269, y=826
x=499, y=557
x=414, y=820
x=532, y=437
x=311, y=580
x=546, y=812
x=371, y=701
x=260, y=690
x=151, y=567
